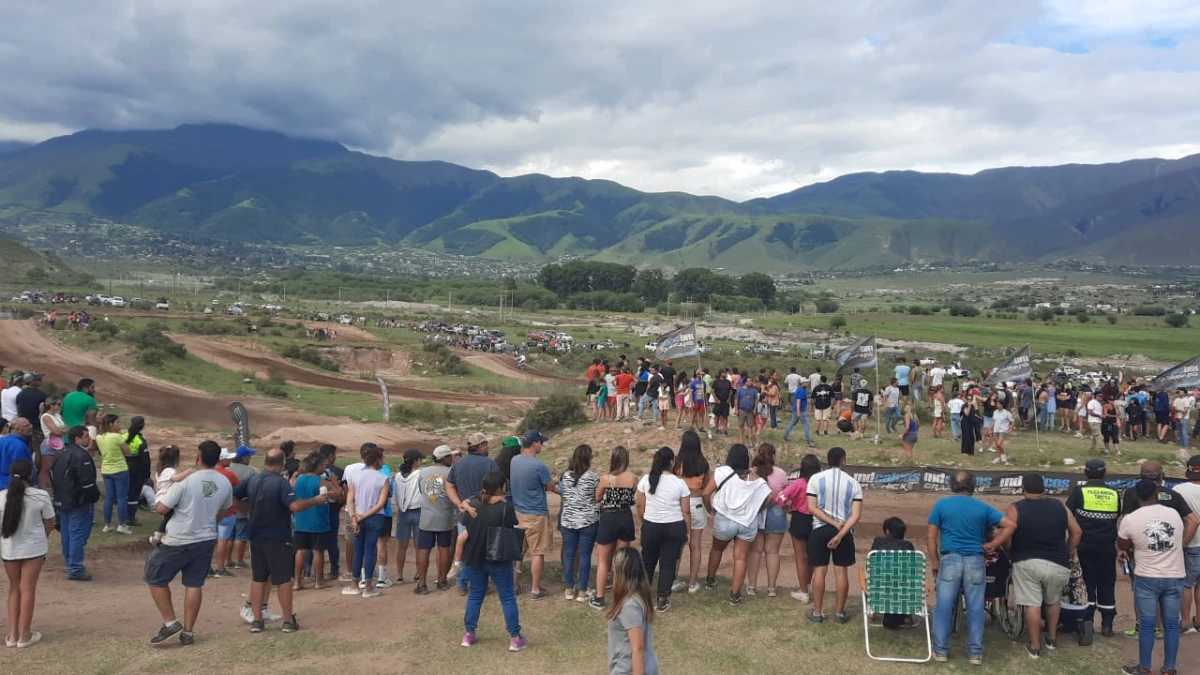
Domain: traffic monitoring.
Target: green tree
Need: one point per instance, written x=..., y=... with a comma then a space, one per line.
x=1176, y=320
x=757, y=285
x=651, y=285
x=699, y=283
x=1112, y=320
x=1082, y=316
x=827, y=306
x=837, y=322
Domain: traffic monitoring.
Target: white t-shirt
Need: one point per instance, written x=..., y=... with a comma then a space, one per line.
x=892, y=396
x=955, y=406
x=792, y=381
x=54, y=417
x=197, y=500
x=936, y=376
x=29, y=541
x=1002, y=421
x=1157, y=535
x=739, y=500
x=1182, y=405
x=8, y=403
x=162, y=482
x=1191, y=494
x=663, y=505
x=813, y=381
x=1095, y=411
x=836, y=491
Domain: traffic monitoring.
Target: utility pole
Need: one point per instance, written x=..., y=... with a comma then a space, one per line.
x=450, y=302
x=387, y=302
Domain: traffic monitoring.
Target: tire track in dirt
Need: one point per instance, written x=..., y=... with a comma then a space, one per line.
x=22, y=345
x=507, y=366
x=234, y=356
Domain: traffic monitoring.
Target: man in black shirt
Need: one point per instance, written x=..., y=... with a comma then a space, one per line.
x=29, y=406
x=73, y=479
x=1096, y=507
x=822, y=403
x=290, y=464
x=668, y=375
x=272, y=555
x=651, y=394
x=722, y=392
x=861, y=408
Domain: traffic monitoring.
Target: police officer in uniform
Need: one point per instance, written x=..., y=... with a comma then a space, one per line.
x=1096, y=507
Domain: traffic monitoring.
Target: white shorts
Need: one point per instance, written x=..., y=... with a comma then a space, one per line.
x=699, y=515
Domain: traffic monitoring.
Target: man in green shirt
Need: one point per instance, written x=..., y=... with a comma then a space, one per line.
x=79, y=407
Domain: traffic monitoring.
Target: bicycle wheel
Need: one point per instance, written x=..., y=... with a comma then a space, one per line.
x=1012, y=615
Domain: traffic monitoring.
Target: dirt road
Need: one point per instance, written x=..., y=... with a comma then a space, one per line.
x=237, y=356
x=507, y=366
x=24, y=346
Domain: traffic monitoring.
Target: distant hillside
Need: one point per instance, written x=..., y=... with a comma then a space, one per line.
x=19, y=264
x=234, y=183
x=10, y=147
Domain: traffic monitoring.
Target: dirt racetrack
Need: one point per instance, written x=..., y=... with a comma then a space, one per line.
x=235, y=356
x=502, y=364
x=22, y=345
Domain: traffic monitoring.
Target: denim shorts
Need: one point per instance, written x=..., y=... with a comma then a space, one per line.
x=1192, y=561
x=226, y=527
x=725, y=529
x=241, y=529
x=776, y=521
x=190, y=560
x=407, y=524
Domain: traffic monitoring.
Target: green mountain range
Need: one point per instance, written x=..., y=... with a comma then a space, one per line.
x=241, y=184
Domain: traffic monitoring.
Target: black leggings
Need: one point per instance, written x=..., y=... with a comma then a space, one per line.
x=662, y=544
x=1099, y=567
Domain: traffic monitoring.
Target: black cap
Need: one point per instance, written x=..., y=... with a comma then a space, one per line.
x=1095, y=466
x=1193, y=468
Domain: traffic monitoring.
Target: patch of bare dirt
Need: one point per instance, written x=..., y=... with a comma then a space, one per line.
x=379, y=360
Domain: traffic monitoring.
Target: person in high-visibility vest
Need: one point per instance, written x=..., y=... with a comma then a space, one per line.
x=1096, y=507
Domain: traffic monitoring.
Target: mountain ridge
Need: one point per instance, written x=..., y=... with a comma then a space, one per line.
x=237, y=183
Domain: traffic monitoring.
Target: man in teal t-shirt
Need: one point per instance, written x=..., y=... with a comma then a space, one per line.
x=79, y=407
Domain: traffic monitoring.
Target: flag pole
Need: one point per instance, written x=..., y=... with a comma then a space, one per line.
x=878, y=400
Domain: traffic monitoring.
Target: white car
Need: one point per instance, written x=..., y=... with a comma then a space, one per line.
x=117, y=301
x=956, y=371
x=208, y=310
x=162, y=304
x=652, y=346
x=345, y=319
x=927, y=362
x=1069, y=371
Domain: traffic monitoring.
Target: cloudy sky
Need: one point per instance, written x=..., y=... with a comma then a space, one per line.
x=740, y=99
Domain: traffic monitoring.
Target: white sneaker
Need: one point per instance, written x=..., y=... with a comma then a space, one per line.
x=373, y=593
x=678, y=586
x=108, y=528
x=694, y=589
x=383, y=583
x=662, y=428
x=800, y=596
x=124, y=529
x=269, y=616
x=751, y=591
x=350, y=590
x=362, y=584
x=247, y=614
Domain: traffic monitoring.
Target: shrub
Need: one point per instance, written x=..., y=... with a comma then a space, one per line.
x=1112, y=320
x=446, y=362
x=309, y=355
x=1176, y=320
x=275, y=375
x=556, y=411
x=837, y=322
x=105, y=328
x=963, y=309
x=268, y=388
x=1082, y=317
x=423, y=414
x=152, y=357
x=827, y=306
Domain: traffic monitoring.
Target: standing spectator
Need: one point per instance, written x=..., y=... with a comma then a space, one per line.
x=616, y=493
x=112, y=448
x=407, y=501
x=465, y=480
x=291, y=463
x=1043, y=543
x=891, y=398
x=1110, y=425
x=1002, y=424
x=139, y=465
x=580, y=521
x=747, y=401
x=29, y=407
x=311, y=524
x=437, y=519
x=487, y=511
x=957, y=540
x=26, y=520
x=792, y=382
x=531, y=480
x=1155, y=535
x=691, y=465
x=1190, y=491
x=365, y=499
x=1096, y=507
x=955, y=408
x=794, y=499
x=1182, y=407
x=822, y=400
x=664, y=507
x=668, y=375
x=73, y=478
x=773, y=526
x=972, y=424
x=53, y=430
x=835, y=500
x=625, y=381
x=187, y=547
x=903, y=373
x=271, y=505
x=722, y=390
x=631, y=619
x=917, y=377
x=8, y=397
x=800, y=413
x=240, y=467
x=14, y=446
x=861, y=408
x=771, y=397
x=79, y=407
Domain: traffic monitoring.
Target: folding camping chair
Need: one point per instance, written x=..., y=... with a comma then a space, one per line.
x=893, y=582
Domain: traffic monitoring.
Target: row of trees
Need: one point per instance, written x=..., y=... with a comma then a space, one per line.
x=695, y=284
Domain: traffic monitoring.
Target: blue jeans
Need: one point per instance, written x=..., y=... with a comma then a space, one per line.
x=893, y=418
x=956, y=426
x=365, y=543
x=803, y=420
x=772, y=413
x=965, y=575
x=1183, y=433
x=644, y=401
x=501, y=574
x=1151, y=595
x=461, y=579
x=116, y=490
x=578, y=543
x=1043, y=419
x=75, y=526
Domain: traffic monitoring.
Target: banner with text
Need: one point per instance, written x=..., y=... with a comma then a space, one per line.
x=387, y=402
x=241, y=421
x=931, y=479
x=678, y=344
x=1015, y=369
x=1184, y=375
x=861, y=354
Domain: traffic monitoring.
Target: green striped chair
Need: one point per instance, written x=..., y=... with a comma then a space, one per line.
x=893, y=582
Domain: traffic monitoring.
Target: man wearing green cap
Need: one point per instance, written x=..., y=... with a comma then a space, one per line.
x=466, y=479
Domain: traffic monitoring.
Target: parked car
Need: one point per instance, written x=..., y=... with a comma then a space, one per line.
x=927, y=361
x=117, y=301
x=208, y=310
x=162, y=304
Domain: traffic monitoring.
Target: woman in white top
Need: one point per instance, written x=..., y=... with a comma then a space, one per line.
x=738, y=499
x=53, y=430
x=407, y=507
x=664, y=507
x=26, y=519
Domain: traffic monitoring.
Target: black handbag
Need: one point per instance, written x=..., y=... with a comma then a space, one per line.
x=505, y=544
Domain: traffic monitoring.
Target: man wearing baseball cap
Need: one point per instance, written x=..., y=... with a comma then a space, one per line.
x=530, y=480
x=1190, y=491
x=1096, y=507
x=465, y=481
x=228, y=522
x=438, y=517
x=240, y=467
